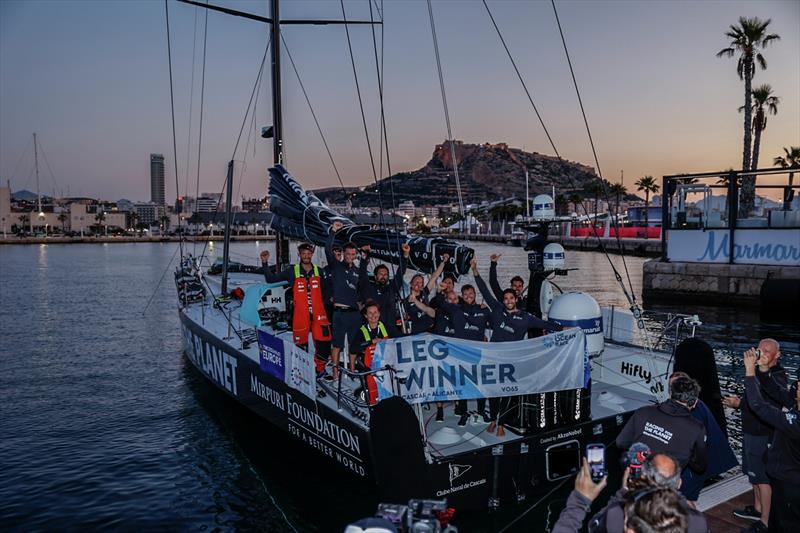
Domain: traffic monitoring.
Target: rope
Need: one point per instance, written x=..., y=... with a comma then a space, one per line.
x=172, y=110
x=200, y=134
x=313, y=115
x=446, y=111
x=632, y=298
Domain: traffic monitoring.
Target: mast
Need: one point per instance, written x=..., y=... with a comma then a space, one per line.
x=281, y=242
x=226, y=243
x=36, y=164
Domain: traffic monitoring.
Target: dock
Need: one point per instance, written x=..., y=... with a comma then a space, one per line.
x=718, y=501
x=129, y=239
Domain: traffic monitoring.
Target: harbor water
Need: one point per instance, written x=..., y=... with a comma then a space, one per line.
x=105, y=425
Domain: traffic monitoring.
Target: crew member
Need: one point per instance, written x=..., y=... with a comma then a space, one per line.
x=508, y=324
x=783, y=455
x=308, y=314
x=517, y=283
x=419, y=320
x=368, y=335
x=670, y=428
x=773, y=381
x=346, y=317
x=381, y=290
x=470, y=321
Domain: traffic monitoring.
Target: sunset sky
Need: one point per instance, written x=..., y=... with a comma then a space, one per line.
x=91, y=78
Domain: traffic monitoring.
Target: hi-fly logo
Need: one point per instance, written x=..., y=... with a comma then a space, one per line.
x=456, y=471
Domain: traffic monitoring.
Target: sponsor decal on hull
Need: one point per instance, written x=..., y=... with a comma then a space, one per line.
x=286, y=408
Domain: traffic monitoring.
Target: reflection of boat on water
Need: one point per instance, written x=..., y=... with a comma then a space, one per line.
x=236, y=333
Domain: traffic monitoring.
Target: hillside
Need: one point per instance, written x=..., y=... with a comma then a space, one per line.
x=486, y=171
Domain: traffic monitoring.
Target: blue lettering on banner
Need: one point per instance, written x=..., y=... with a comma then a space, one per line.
x=271, y=358
x=779, y=253
x=589, y=326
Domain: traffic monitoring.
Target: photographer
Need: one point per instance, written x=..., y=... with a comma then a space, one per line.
x=783, y=456
x=772, y=381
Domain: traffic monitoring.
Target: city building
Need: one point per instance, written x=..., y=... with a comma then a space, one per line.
x=210, y=202
x=5, y=210
x=148, y=213
x=255, y=205
x=157, y=190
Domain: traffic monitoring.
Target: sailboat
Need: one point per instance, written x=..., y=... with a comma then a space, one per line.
x=236, y=333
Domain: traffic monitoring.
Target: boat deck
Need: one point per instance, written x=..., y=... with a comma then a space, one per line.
x=719, y=500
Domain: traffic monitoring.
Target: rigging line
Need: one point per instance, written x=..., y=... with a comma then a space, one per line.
x=313, y=114
x=24, y=152
x=160, y=280
x=591, y=143
x=524, y=86
x=200, y=131
x=174, y=137
x=47, y=164
x=600, y=243
x=191, y=104
x=361, y=107
x=446, y=111
x=383, y=137
x=244, y=121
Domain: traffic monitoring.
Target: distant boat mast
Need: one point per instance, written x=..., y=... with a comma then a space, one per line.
x=36, y=165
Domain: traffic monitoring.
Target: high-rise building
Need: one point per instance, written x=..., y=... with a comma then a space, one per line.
x=157, y=191
x=210, y=202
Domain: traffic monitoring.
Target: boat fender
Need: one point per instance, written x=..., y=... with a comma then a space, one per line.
x=696, y=357
x=581, y=310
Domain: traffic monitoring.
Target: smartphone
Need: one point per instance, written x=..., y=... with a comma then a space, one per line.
x=596, y=457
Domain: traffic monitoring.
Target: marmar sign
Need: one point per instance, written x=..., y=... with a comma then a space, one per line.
x=750, y=246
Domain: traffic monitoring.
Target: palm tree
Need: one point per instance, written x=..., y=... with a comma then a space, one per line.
x=134, y=219
x=561, y=202
x=748, y=38
x=165, y=222
x=62, y=217
x=100, y=217
x=789, y=159
x=575, y=199
x=617, y=189
x=647, y=184
x=762, y=97
x=24, y=220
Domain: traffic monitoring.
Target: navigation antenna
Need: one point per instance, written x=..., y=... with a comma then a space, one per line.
x=276, y=130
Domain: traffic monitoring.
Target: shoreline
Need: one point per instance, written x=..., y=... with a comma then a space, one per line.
x=129, y=239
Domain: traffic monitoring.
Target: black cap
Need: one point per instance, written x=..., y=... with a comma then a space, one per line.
x=337, y=248
x=305, y=246
x=449, y=275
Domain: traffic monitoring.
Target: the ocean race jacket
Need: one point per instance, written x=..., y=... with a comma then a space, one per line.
x=510, y=325
x=386, y=294
x=497, y=289
x=668, y=428
x=469, y=321
x=783, y=456
x=344, y=278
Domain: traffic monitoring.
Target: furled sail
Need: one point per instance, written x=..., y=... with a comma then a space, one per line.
x=299, y=214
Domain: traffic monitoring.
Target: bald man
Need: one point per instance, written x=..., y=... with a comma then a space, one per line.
x=773, y=384
x=659, y=470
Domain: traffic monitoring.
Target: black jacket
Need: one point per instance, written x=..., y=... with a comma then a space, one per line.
x=522, y=301
x=344, y=277
x=611, y=518
x=773, y=384
x=783, y=456
x=508, y=325
x=668, y=427
x=385, y=295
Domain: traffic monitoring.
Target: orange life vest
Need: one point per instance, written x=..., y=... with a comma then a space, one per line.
x=369, y=351
x=309, y=309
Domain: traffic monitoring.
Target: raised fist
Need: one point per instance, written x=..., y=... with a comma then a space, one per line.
x=445, y=258
x=494, y=257
x=264, y=255
x=406, y=249
x=337, y=226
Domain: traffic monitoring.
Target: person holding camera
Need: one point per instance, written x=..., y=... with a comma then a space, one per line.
x=669, y=427
x=772, y=382
x=783, y=455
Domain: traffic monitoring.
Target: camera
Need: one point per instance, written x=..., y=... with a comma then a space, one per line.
x=635, y=457
x=758, y=353
x=419, y=516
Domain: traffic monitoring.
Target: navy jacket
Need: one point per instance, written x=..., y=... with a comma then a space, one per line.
x=668, y=428
x=344, y=278
x=773, y=385
x=469, y=321
x=507, y=325
x=386, y=294
x=783, y=456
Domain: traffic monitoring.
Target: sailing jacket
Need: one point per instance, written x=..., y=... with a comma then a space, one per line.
x=511, y=325
x=522, y=301
x=469, y=321
x=668, y=428
x=344, y=278
x=386, y=294
x=783, y=456
x=773, y=384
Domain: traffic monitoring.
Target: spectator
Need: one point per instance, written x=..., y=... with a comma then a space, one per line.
x=783, y=455
x=772, y=380
x=720, y=455
x=670, y=428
